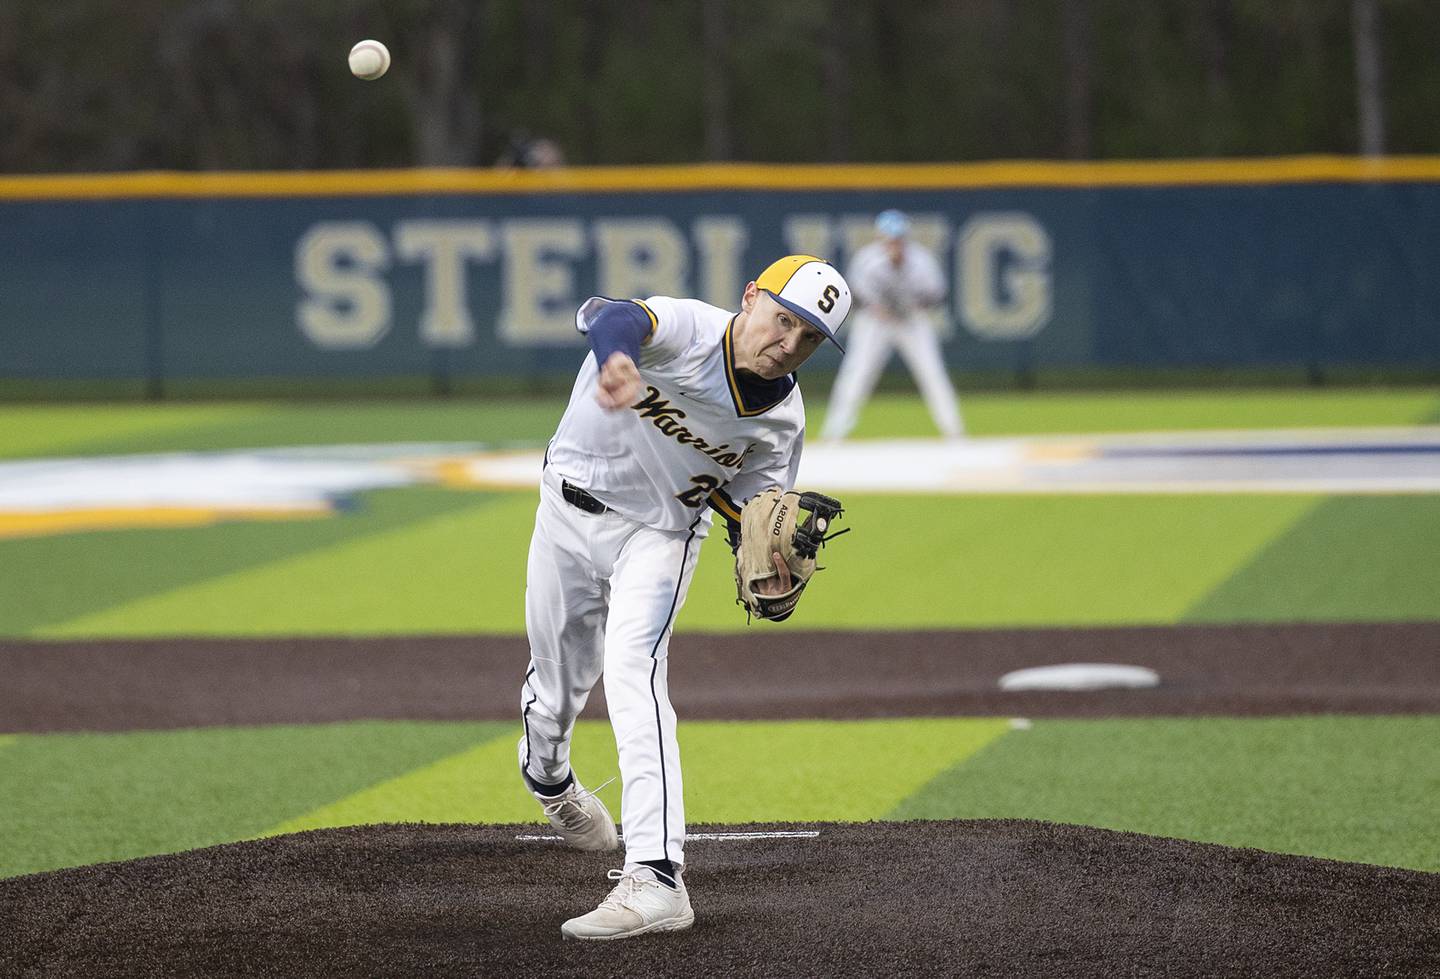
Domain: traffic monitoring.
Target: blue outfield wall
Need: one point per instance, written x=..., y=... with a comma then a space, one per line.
x=1338, y=273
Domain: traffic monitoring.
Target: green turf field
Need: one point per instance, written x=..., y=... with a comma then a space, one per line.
x=90, y=429
x=441, y=561
x=429, y=560
x=1351, y=788
x=433, y=560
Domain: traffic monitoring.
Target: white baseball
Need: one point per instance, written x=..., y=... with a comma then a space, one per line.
x=369, y=60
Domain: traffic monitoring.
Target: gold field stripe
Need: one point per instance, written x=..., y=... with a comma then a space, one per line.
x=722, y=176
x=17, y=524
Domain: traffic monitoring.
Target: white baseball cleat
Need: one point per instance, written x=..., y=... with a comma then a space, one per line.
x=578, y=815
x=638, y=904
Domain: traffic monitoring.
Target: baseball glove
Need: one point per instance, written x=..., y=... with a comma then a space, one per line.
x=792, y=524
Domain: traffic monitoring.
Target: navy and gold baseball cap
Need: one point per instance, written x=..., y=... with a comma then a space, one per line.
x=812, y=289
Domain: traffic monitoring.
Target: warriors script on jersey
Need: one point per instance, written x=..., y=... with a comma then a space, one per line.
x=627, y=459
x=666, y=418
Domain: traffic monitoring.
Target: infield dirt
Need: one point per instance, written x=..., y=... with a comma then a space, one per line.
x=1376, y=668
x=982, y=898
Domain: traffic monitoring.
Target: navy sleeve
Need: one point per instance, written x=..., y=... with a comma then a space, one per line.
x=619, y=326
x=722, y=504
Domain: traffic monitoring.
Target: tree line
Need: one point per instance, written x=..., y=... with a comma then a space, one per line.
x=106, y=85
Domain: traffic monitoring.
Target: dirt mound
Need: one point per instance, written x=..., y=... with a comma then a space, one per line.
x=977, y=898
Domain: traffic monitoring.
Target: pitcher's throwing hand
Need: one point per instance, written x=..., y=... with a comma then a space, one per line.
x=619, y=383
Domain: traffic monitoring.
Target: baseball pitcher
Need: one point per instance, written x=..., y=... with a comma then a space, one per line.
x=681, y=409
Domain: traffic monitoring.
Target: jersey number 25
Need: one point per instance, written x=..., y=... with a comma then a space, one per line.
x=695, y=495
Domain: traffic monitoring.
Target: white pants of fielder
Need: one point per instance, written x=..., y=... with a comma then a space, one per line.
x=872, y=339
x=601, y=597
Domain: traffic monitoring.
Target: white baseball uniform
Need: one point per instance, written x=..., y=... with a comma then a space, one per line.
x=892, y=316
x=603, y=589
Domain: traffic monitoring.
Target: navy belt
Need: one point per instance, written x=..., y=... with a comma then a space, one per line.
x=577, y=497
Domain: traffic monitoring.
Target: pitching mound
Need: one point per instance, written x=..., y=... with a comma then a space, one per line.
x=959, y=898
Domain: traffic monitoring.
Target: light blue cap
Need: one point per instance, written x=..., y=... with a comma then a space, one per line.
x=892, y=224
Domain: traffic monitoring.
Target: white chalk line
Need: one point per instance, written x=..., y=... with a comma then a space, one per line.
x=801, y=834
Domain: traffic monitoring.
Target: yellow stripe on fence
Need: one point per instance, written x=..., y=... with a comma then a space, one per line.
x=718, y=176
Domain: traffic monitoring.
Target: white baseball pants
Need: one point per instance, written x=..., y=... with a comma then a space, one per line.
x=868, y=349
x=601, y=597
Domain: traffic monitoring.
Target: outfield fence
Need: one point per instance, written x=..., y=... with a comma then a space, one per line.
x=1313, y=264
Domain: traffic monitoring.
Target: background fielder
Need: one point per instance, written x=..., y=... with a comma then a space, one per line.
x=695, y=408
x=897, y=282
